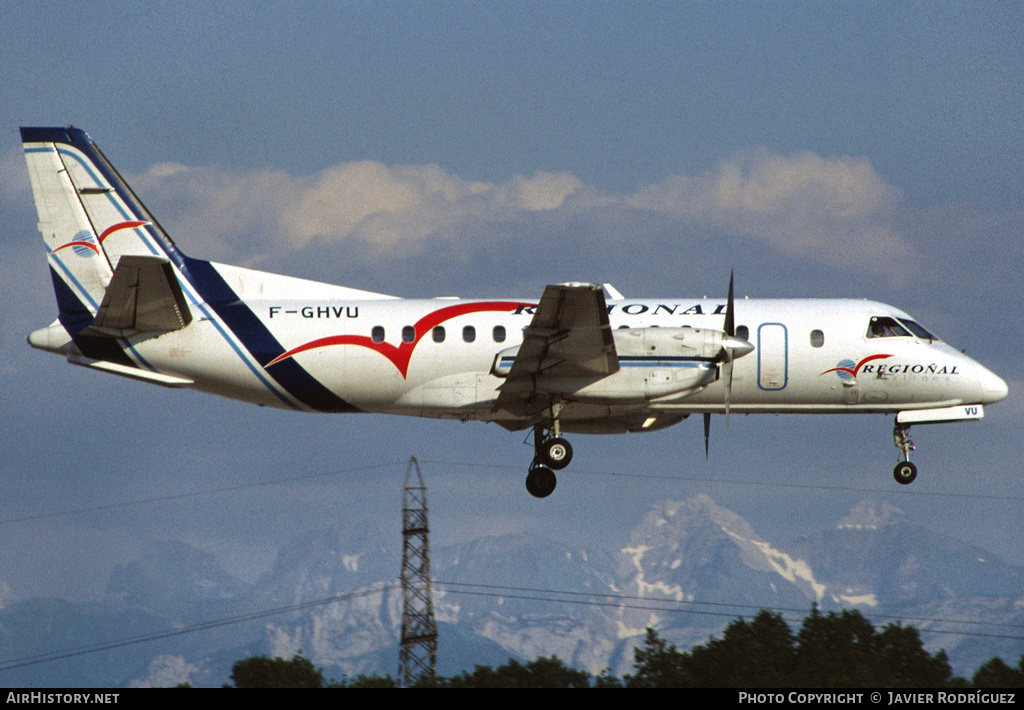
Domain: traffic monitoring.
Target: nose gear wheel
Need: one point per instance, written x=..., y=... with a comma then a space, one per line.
x=905, y=472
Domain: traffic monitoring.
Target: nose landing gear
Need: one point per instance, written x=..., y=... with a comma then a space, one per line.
x=905, y=472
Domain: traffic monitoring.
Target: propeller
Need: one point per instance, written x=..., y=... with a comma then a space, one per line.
x=729, y=345
x=732, y=347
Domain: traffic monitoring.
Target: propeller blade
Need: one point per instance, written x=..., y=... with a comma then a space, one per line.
x=728, y=390
x=707, y=433
x=732, y=347
x=730, y=315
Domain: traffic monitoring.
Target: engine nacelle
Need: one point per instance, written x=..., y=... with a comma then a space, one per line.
x=657, y=363
x=651, y=343
x=654, y=363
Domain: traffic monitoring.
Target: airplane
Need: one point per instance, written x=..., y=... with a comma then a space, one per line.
x=581, y=359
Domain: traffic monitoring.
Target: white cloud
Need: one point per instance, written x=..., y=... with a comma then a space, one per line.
x=218, y=209
x=544, y=191
x=832, y=210
x=388, y=207
x=166, y=671
x=369, y=200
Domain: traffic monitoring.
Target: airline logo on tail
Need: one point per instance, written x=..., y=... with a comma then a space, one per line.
x=83, y=244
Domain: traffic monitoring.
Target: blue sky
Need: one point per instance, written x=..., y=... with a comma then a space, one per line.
x=486, y=149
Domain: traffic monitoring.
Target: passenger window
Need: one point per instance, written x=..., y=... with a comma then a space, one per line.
x=408, y=334
x=743, y=332
x=817, y=338
x=499, y=334
x=469, y=334
x=886, y=327
x=438, y=334
x=377, y=334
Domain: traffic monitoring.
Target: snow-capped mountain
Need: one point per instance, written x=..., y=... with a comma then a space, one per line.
x=687, y=569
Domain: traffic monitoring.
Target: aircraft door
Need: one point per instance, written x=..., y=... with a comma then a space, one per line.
x=772, y=356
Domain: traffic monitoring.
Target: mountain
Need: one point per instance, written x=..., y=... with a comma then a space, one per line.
x=171, y=579
x=876, y=553
x=687, y=569
x=892, y=568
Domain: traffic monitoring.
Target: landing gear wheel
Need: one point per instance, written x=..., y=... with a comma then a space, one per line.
x=541, y=482
x=905, y=472
x=555, y=453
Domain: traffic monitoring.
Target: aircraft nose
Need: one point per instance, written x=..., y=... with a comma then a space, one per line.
x=993, y=387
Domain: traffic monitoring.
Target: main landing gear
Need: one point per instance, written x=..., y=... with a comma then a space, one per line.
x=550, y=453
x=905, y=472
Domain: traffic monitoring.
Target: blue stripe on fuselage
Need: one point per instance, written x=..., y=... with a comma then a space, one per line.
x=259, y=341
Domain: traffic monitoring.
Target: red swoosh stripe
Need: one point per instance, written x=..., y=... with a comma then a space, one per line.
x=402, y=354
x=119, y=226
x=90, y=245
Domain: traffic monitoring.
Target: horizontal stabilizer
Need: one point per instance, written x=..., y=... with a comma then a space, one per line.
x=143, y=296
x=133, y=373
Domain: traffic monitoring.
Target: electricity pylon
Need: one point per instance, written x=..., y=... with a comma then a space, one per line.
x=418, y=654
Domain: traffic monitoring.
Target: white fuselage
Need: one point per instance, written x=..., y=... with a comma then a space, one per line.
x=352, y=344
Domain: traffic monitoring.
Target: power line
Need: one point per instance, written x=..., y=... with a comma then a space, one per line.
x=735, y=482
x=552, y=596
x=470, y=464
x=194, y=628
x=736, y=605
x=194, y=494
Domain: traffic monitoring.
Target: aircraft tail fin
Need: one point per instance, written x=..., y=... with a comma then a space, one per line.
x=90, y=218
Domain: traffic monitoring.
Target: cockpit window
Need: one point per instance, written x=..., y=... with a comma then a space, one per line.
x=917, y=330
x=886, y=327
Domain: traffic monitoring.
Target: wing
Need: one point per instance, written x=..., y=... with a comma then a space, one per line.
x=568, y=338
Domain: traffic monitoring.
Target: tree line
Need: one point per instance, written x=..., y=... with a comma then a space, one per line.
x=833, y=650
